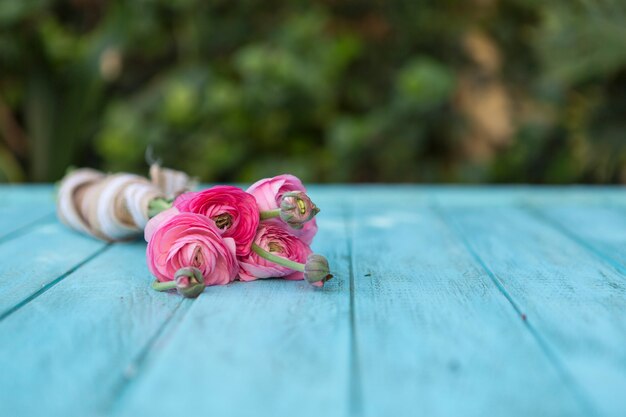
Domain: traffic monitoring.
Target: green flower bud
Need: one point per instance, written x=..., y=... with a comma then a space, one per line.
x=316, y=269
x=189, y=282
x=296, y=208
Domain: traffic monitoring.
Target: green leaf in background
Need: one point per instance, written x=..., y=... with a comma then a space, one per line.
x=501, y=91
x=425, y=82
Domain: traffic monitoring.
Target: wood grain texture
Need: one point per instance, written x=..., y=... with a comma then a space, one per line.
x=22, y=208
x=39, y=258
x=434, y=335
x=425, y=317
x=269, y=348
x=601, y=229
x=70, y=350
x=574, y=303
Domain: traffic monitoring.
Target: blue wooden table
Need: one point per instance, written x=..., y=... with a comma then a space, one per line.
x=447, y=302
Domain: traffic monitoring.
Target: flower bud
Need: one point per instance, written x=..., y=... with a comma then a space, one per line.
x=316, y=269
x=296, y=208
x=189, y=282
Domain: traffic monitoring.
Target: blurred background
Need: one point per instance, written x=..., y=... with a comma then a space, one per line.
x=353, y=91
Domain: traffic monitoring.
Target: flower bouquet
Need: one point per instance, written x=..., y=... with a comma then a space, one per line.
x=198, y=239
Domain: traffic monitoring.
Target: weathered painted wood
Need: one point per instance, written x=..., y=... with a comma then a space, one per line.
x=434, y=336
x=70, y=351
x=574, y=303
x=489, y=196
x=22, y=208
x=599, y=228
x=39, y=258
x=433, y=325
x=20, y=195
x=265, y=348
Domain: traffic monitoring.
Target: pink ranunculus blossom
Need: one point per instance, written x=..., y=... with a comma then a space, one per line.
x=268, y=193
x=180, y=240
x=234, y=212
x=277, y=241
x=156, y=222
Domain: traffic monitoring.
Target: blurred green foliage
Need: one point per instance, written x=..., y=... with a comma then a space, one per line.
x=369, y=90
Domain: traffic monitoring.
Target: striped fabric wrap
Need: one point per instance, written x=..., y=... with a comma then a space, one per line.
x=114, y=207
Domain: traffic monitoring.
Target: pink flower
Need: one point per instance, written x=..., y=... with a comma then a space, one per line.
x=156, y=222
x=232, y=210
x=268, y=193
x=277, y=241
x=181, y=240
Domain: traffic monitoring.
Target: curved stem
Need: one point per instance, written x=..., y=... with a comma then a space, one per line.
x=163, y=286
x=277, y=259
x=270, y=214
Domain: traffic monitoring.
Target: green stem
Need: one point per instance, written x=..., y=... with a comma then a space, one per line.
x=277, y=259
x=158, y=205
x=270, y=214
x=163, y=286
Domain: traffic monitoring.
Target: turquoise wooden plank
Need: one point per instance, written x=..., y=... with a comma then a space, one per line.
x=265, y=348
x=22, y=208
x=573, y=301
x=434, y=335
x=494, y=196
x=600, y=229
x=431, y=332
x=41, y=257
x=480, y=196
x=26, y=194
x=71, y=350
x=17, y=221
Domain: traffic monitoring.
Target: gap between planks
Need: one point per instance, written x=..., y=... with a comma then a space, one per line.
x=138, y=364
x=355, y=389
x=568, y=233
x=54, y=282
x=22, y=230
x=544, y=346
x=141, y=363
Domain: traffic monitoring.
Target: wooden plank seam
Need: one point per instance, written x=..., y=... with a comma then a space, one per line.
x=545, y=347
x=54, y=282
x=139, y=363
x=355, y=391
x=22, y=230
x=534, y=212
